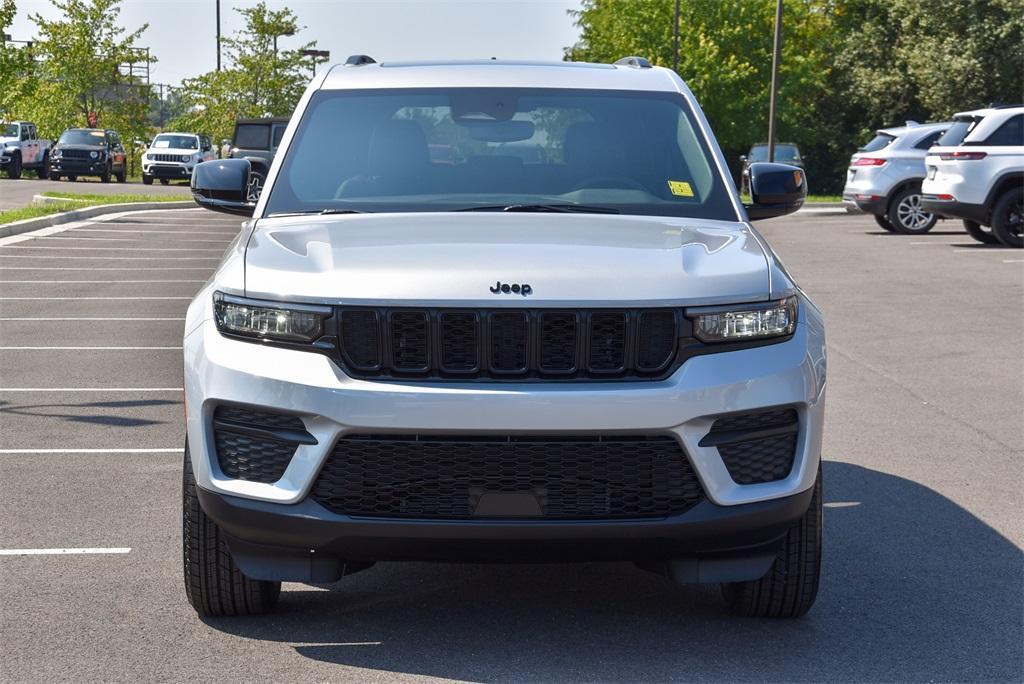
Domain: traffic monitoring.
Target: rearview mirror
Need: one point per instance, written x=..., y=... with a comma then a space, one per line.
x=776, y=190
x=222, y=185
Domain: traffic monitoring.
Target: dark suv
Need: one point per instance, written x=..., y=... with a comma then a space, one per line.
x=257, y=141
x=88, y=152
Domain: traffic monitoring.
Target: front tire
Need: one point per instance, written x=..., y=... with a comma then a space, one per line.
x=213, y=583
x=1008, y=218
x=883, y=223
x=147, y=180
x=906, y=214
x=983, y=236
x=43, y=172
x=789, y=588
x=54, y=176
x=14, y=167
x=105, y=176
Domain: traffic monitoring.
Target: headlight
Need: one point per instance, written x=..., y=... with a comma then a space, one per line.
x=269, y=320
x=93, y=155
x=736, y=323
x=55, y=153
x=186, y=158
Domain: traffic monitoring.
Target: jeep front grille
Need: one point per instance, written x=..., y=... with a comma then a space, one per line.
x=511, y=344
x=545, y=477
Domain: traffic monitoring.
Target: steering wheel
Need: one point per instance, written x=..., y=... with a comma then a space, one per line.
x=623, y=182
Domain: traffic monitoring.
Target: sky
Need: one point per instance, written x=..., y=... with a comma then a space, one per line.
x=182, y=33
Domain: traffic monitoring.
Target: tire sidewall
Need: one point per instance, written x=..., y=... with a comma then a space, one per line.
x=1000, y=219
x=894, y=213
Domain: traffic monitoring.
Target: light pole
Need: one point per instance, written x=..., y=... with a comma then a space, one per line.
x=675, y=40
x=285, y=33
x=776, y=58
x=218, y=35
x=316, y=55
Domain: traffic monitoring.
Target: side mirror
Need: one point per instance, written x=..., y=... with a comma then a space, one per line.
x=776, y=190
x=743, y=158
x=222, y=185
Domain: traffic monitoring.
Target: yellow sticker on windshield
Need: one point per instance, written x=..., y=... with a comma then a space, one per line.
x=680, y=188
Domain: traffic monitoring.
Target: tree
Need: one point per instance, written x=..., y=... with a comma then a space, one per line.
x=80, y=71
x=259, y=81
x=17, y=66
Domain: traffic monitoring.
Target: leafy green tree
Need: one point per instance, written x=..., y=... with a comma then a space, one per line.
x=81, y=71
x=17, y=67
x=259, y=80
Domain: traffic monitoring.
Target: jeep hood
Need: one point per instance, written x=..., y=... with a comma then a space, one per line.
x=4, y=141
x=455, y=258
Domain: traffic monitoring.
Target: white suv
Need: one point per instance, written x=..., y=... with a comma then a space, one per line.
x=172, y=156
x=497, y=311
x=884, y=178
x=976, y=173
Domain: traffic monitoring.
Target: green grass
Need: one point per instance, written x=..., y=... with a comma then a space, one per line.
x=93, y=198
x=22, y=213
x=813, y=199
x=79, y=201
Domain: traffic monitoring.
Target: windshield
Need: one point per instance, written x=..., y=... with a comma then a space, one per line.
x=464, y=148
x=82, y=137
x=179, y=142
x=783, y=153
x=8, y=130
x=958, y=131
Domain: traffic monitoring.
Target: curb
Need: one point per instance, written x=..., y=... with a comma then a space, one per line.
x=27, y=225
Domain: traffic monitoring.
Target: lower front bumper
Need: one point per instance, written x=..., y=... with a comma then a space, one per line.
x=306, y=542
x=167, y=171
x=78, y=168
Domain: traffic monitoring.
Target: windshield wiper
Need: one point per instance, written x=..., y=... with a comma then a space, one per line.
x=321, y=212
x=541, y=208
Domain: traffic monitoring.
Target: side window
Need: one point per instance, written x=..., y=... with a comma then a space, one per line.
x=278, y=134
x=32, y=132
x=1010, y=133
x=24, y=133
x=929, y=140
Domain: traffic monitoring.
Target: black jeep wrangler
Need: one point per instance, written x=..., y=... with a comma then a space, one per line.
x=257, y=141
x=88, y=152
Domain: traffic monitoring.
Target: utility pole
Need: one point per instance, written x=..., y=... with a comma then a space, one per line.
x=675, y=41
x=776, y=58
x=218, y=35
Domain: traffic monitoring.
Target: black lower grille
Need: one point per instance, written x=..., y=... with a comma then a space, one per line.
x=254, y=445
x=458, y=477
x=511, y=344
x=758, y=446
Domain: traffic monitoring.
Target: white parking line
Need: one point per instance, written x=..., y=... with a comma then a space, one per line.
x=76, y=299
x=175, y=450
x=122, y=249
x=61, y=552
x=117, y=258
x=941, y=243
x=154, y=232
x=86, y=348
x=91, y=389
x=100, y=268
x=130, y=239
x=88, y=318
x=1013, y=261
x=101, y=281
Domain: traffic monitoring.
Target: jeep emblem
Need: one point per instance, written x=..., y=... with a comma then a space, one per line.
x=512, y=288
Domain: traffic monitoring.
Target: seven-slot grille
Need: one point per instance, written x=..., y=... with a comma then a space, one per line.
x=474, y=476
x=163, y=157
x=76, y=154
x=509, y=343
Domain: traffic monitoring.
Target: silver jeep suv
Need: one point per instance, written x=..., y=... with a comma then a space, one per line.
x=501, y=312
x=884, y=178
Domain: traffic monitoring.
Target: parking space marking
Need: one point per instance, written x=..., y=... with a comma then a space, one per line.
x=87, y=348
x=1013, y=261
x=76, y=299
x=101, y=281
x=118, y=258
x=61, y=552
x=128, y=239
x=121, y=249
x=101, y=268
x=88, y=318
x=172, y=450
x=91, y=389
x=154, y=232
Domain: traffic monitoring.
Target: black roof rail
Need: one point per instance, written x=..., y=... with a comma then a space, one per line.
x=637, y=62
x=359, y=60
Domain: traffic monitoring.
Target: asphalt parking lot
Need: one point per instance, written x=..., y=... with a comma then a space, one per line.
x=923, y=482
x=19, y=193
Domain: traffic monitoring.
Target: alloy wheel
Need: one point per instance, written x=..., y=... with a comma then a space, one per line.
x=910, y=213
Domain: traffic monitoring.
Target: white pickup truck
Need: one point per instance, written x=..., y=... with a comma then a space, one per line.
x=22, y=148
